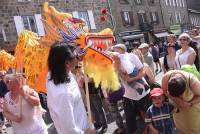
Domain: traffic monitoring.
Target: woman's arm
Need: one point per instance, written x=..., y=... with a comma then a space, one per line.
x=195, y=87
x=149, y=73
x=191, y=58
x=30, y=96
x=10, y=116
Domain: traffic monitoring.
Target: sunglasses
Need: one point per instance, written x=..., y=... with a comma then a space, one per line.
x=170, y=46
x=183, y=39
x=77, y=67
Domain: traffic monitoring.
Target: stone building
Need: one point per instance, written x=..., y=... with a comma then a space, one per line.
x=175, y=15
x=194, y=13
x=138, y=20
x=17, y=15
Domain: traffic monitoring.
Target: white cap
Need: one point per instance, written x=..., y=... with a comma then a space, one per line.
x=122, y=46
x=143, y=45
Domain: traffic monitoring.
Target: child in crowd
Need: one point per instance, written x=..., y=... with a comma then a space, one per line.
x=158, y=116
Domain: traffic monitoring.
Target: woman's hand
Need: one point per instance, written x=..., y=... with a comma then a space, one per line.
x=90, y=131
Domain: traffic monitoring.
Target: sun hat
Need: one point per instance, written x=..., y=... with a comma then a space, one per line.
x=143, y=45
x=156, y=92
x=122, y=46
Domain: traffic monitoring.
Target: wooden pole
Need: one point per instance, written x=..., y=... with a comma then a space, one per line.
x=87, y=98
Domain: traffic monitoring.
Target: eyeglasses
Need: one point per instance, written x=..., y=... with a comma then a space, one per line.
x=171, y=46
x=183, y=39
x=77, y=67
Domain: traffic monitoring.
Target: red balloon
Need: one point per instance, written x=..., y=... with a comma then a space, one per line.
x=104, y=10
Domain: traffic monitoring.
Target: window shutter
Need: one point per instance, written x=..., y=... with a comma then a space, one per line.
x=123, y=19
x=91, y=19
x=40, y=27
x=131, y=18
x=75, y=14
x=18, y=24
x=157, y=18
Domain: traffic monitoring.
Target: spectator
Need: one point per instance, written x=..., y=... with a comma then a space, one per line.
x=183, y=90
x=185, y=55
x=155, y=53
x=134, y=102
x=3, y=91
x=169, y=58
x=63, y=94
x=22, y=107
x=148, y=58
x=158, y=116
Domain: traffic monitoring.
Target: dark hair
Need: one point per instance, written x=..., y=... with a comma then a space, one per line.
x=58, y=55
x=176, y=86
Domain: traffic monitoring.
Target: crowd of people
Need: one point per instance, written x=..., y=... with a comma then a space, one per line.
x=166, y=108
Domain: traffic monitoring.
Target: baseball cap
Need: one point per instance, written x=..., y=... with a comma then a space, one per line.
x=122, y=46
x=143, y=45
x=156, y=92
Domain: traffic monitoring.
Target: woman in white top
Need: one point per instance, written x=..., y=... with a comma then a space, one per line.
x=63, y=95
x=186, y=55
x=22, y=107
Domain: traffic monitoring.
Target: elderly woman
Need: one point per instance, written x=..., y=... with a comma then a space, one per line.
x=186, y=55
x=22, y=107
x=183, y=90
x=63, y=94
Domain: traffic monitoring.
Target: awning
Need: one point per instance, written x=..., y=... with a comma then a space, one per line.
x=132, y=37
x=176, y=29
x=159, y=35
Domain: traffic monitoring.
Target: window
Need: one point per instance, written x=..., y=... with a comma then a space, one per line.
x=2, y=34
x=178, y=17
x=127, y=18
x=180, y=3
x=84, y=15
x=167, y=2
x=142, y=17
x=151, y=2
x=32, y=23
x=138, y=2
x=173, y=2
x=154, y=17
x=123, y=1
x=183, y=4
x=177, y=2
x=170, y=17
x=87, y=16
x=170, y=2
x=23, y=0
x=29, y=23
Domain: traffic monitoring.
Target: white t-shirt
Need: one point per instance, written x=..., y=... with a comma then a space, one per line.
x=182, y=58
x=128, y=62
x=66, y=107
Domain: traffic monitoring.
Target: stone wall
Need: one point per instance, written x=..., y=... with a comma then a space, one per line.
x=11, y=8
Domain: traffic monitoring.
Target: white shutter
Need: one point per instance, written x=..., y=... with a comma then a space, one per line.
x=3, y=32
x=75, y=14
x=19, y=24
x=39, y=24
x=91, y=19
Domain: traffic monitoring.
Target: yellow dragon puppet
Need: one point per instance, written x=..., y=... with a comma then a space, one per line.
x=32, y=51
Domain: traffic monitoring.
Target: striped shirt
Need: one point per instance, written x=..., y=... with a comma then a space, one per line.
x=160, y=118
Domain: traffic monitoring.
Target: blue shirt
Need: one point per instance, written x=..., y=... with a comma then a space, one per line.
x=160, y=118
